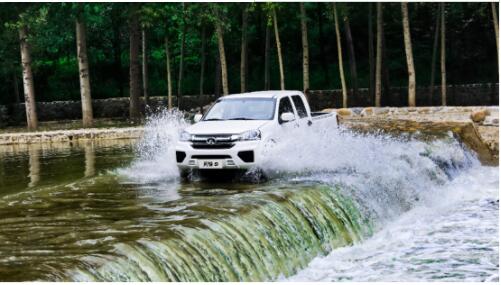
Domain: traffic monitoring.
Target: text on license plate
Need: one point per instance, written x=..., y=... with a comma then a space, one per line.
x=210, y=164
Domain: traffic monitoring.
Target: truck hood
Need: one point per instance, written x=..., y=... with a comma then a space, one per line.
x=224, y=127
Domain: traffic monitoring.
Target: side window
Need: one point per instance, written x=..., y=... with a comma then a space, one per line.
x=285, y=106
x=300, y=108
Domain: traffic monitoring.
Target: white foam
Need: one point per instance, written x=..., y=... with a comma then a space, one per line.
x=451, y=235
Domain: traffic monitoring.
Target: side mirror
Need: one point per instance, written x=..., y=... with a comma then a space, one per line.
x=197, y=118
x=287, y=117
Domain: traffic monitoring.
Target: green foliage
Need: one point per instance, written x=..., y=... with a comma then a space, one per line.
x=471, y=49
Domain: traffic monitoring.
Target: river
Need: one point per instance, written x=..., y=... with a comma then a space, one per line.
x=336, y=206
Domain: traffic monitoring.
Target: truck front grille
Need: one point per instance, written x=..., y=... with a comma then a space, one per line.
x=210, y=156
x=212, y=142
x=213, y=146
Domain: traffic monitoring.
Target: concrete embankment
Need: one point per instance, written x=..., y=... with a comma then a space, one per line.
x=62, y=136
x=477, y=127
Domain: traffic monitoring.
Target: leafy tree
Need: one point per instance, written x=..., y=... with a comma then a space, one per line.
x=29, y=15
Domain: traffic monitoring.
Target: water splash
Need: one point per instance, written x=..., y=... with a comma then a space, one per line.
x=156, y=160
x=370, y=179
x=449, y=236
x=386, y=174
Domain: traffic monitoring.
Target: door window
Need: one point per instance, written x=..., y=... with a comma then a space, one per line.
x=300, y=108
x=285, y=106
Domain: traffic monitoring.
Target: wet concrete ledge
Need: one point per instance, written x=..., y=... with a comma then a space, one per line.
x=477, y=127
x=61, y=136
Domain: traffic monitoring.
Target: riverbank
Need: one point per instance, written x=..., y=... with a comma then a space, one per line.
x=477, y=127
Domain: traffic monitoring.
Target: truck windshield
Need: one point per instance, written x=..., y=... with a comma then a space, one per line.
x=242, y=109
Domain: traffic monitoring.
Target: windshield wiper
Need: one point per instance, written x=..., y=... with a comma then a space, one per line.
x=213, y=119
x=241, y=118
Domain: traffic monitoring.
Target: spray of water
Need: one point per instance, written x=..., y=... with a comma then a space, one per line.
x=385, y=174
x=380, y=177
x=156, y=161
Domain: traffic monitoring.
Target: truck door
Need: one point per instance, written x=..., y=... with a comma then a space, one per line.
x=285, y=106
x=302, y=114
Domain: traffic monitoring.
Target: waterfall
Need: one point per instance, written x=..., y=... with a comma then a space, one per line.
x=275, y=233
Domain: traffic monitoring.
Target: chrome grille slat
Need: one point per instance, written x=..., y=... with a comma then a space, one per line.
x=220, y=141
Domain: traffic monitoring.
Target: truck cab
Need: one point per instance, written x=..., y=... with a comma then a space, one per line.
x=232, y=132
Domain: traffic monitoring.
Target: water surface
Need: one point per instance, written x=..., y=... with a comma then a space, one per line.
x=353, y=207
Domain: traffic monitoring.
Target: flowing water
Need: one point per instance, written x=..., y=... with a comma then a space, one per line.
x=336, y=206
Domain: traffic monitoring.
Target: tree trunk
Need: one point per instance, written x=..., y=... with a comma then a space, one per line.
x=340, y=58
x=83, y=70
x=181, y=62
x=243, y=51
x=134, y=67
x=202, y=62
x=371, y=56
x=117, y=52
x=434, y=58
x=217, y=77
x=442, y=55
x=379, y=57
x=495, y=22
x=321, y=44
x=351, y=56
x=28, y=84
x=222, y=57
x=304, y=39
x=15, y=85
x=385, y=75
x=145, y=68
x=279, y=51
x=267, y=58
x=169, y=77
x=409, y=56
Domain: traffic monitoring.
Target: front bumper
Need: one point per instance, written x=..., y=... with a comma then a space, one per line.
x=243, y=155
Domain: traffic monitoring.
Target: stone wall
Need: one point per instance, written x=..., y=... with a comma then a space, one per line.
x=457, y=95
x=102, y=108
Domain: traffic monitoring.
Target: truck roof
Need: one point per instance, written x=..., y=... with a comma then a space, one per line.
x=264, y=94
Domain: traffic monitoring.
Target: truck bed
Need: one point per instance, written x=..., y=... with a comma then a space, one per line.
x=320, y=116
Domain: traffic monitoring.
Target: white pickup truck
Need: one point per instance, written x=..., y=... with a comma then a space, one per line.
x=232, y=132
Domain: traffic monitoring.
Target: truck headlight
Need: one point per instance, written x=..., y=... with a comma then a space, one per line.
x=252, y=135
x=184, y=136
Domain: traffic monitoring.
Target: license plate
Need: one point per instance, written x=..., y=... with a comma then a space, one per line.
x=210, y=164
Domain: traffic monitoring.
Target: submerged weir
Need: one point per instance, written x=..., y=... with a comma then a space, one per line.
x=273, y=234
x=327, y=190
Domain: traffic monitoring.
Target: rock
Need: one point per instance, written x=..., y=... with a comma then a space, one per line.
x=367, y=112
x=381, y=111
x=423, y=110
x=356, y=110
x=479, y=116
x=344, y=112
